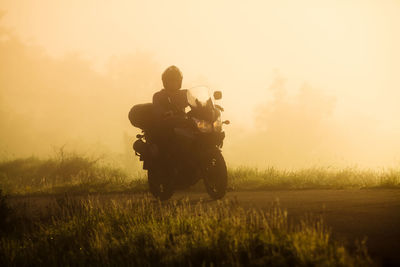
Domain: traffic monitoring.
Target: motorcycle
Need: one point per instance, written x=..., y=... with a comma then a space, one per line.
x=193, y=154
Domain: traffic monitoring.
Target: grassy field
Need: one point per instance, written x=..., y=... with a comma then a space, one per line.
x=72, y=173
x=79, y=229
x=312, y=178
x=66, y=172
x=143, y=232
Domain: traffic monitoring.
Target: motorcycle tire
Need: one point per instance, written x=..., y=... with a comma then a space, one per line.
x=216, y=180
x=159, y=189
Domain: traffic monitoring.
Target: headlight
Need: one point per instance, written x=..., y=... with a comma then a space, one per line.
x=217, y=125
x=203, y=126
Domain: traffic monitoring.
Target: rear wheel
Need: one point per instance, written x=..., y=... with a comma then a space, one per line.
x=216, y=178
x=159, y=185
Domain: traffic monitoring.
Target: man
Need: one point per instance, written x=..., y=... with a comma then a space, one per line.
x=170, y=101
x=169, y=105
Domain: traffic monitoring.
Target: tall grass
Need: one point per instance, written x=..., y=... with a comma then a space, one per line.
x=244, y=178
x=65, y=172
x=74, y=173
x=147, y=233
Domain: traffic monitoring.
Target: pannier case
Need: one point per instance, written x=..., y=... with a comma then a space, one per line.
x=142, y=116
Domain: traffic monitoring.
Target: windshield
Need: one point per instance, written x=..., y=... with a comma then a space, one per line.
x=200, y=97
x=201, y=103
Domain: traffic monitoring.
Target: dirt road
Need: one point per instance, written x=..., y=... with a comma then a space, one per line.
x=351, y=214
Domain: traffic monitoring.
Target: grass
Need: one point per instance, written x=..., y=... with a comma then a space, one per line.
x=66, y=172
x=143, y=232
x=74, y=173
x=244, y=178
x=82, y=230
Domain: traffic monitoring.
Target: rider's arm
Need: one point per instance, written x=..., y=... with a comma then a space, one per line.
x=160, y=103
x=167, y=108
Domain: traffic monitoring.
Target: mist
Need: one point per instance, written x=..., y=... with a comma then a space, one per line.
x=48, y=102
x=297, y=95
x=300, y=128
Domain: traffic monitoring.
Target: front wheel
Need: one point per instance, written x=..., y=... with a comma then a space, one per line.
x=159, y=185
x=216, y=176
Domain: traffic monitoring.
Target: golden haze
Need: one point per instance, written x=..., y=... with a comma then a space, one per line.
x=304, y=82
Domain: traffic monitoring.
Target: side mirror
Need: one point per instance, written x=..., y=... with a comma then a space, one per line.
x=217, y=95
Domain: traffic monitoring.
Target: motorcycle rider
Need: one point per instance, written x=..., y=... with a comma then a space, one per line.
x=169, y=104
x=170, y=101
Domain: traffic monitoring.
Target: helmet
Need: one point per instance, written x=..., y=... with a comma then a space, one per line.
x=172, y=78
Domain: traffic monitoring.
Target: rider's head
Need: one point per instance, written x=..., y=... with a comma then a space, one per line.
x=172, y=78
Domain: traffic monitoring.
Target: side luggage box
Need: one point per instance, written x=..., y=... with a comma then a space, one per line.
x=142, y=116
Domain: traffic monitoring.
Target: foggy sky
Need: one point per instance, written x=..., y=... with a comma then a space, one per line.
x=306, y=82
